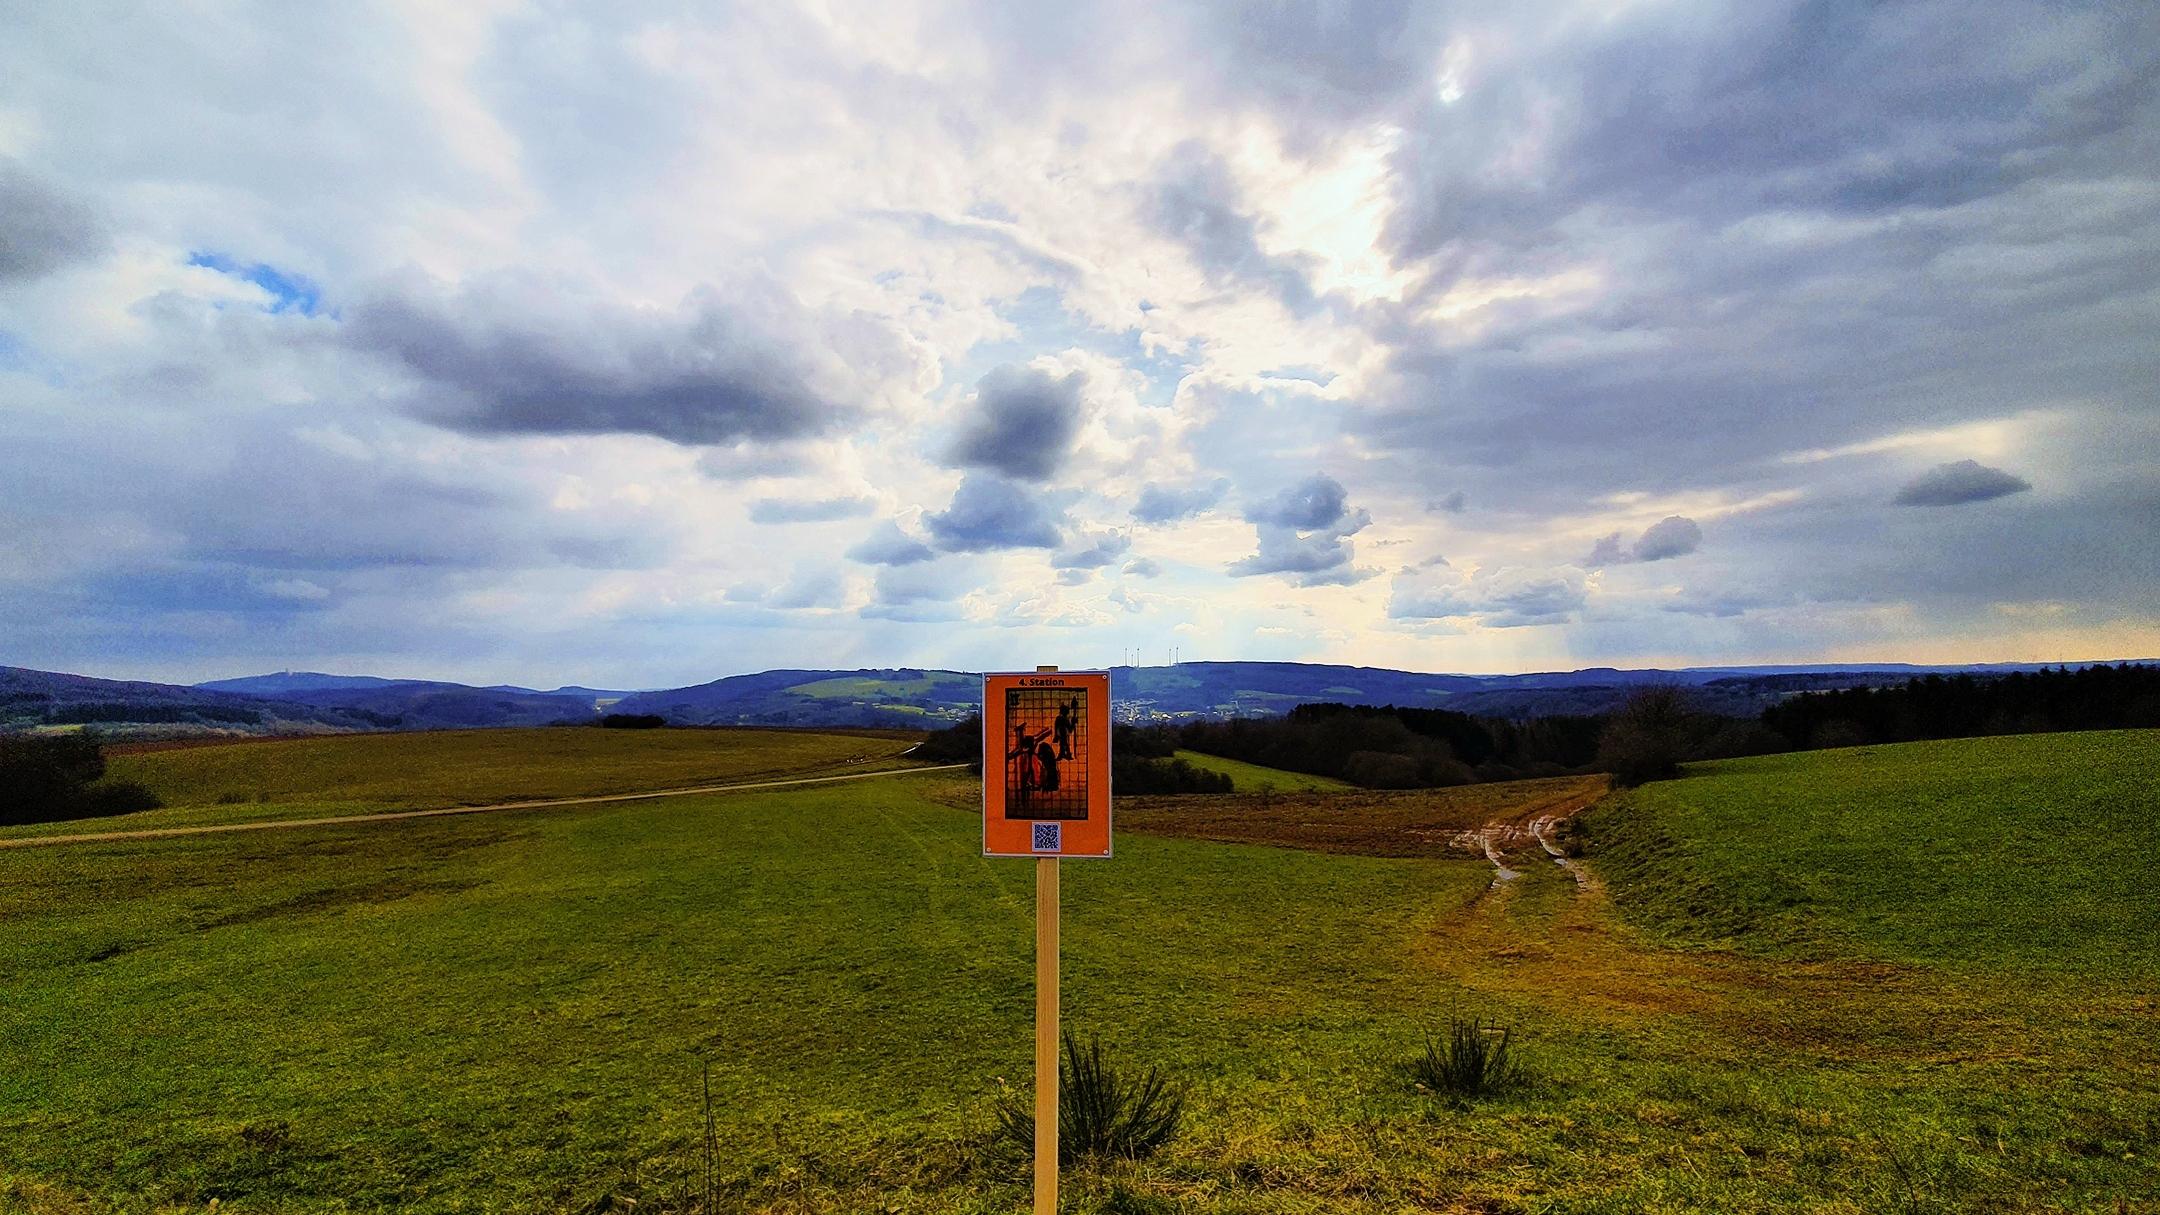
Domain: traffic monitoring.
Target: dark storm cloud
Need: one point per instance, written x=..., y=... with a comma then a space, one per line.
x=1317, y=62
x=1305, y=530
x=1846, y=107
x=1092, y=552
x=888, y=545
x=1749, y=197
x=989, y=512
x=1285, y=551
x=42, y=227
x=1958, y=483
x=1672, y=536
x=1195, y=202
x=1164, y=503
x=515, y=355
x=1021, y=423
x=808, y=510
x=1316, y=502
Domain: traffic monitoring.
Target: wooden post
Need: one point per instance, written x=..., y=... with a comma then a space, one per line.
x=1046, y=1035
x=1046, y=1031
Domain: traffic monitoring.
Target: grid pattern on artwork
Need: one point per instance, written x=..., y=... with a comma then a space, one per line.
x=1046, y=753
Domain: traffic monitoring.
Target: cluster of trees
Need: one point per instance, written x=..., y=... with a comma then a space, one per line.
x=633, y=721
x=1399, y=748
x=1966, y=706
x=47, y=778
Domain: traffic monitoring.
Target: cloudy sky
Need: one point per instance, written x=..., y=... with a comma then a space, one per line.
x=639, y=344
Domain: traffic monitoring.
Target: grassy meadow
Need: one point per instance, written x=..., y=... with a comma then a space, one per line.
x=512, y=1012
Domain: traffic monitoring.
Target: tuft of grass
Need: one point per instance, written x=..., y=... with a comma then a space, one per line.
x=1102, y=1113
x=1472, y=1059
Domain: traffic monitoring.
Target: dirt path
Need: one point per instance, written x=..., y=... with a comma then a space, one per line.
x=101, y=837
x=1536, y=823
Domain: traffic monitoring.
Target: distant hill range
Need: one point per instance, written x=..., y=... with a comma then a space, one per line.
x=286, y=703
x=308, y=702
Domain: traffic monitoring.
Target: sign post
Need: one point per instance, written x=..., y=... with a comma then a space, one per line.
x=1046, y=794
x=1046, y=1035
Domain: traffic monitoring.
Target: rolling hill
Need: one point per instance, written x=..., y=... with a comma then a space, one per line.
x=889, y=697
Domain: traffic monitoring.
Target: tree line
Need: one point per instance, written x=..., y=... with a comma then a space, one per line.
x=1648, y=738
x=1967, y=706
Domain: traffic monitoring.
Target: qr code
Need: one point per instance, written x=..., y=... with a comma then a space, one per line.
x=1046, y=837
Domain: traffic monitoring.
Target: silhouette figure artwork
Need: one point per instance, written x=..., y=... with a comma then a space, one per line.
x=1045, y=762
x=1065, y=729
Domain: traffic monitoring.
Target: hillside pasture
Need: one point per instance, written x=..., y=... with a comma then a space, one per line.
x=2029, y=851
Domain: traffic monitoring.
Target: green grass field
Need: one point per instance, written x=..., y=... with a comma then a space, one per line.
x=510, y=1012
x=1252, y=778
x=861, y=687
x=2029, y=852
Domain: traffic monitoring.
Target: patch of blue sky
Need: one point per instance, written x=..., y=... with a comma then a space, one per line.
x=1046, y=326
x=19, y=357
x=288, y=292
x=195, y=587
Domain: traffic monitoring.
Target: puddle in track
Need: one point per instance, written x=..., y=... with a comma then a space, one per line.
x=1541, y=829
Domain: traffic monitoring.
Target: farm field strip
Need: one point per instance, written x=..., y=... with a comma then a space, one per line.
x=342, y=820
x=262, y=780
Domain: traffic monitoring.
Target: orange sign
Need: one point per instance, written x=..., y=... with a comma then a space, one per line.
x=1046, y=764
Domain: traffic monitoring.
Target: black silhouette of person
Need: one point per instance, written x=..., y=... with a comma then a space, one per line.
x=1067, y=723
x=1046, y=765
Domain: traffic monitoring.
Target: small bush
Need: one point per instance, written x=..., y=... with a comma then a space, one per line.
x=955, y=744
x=1472, y=1059
x=1101, y=1113
x=1645, y=739
x=109, y=797
x=54, y=777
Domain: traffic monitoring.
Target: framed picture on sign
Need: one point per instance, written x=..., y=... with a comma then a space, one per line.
x=1046, y=763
